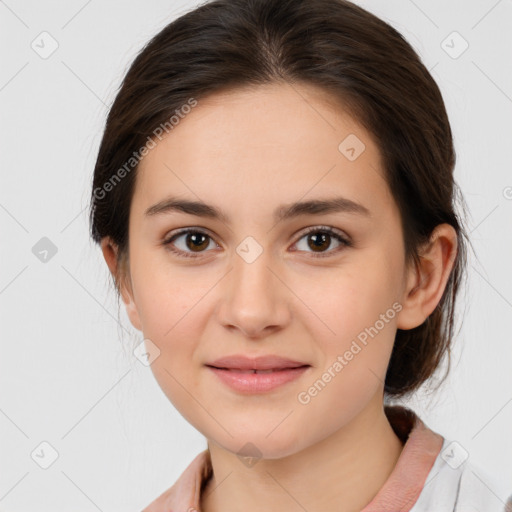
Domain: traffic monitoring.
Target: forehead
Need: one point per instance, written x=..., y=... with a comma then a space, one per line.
x=267, y=144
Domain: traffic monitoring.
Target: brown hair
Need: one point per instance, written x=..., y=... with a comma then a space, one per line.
x=338, y=47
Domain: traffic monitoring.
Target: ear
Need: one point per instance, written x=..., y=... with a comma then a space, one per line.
x=122, y=280
x=426, y=282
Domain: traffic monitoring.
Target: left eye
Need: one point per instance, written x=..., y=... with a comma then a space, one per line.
x=319, y=238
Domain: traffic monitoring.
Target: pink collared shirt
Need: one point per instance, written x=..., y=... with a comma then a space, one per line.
x=431, y=475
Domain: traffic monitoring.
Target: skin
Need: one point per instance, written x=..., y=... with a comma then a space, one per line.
x=248, y=152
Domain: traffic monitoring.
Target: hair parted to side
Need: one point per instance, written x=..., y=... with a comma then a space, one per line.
x=339, y=47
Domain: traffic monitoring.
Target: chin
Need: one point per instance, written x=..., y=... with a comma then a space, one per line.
x=260, y=445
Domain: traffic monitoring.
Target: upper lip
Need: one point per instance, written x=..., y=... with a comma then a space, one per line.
x=267, y=362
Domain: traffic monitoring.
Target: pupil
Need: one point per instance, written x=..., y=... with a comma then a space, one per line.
x=195, y=238
x=319, y=238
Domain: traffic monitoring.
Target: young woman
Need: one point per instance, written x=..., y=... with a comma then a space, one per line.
x=274, y=197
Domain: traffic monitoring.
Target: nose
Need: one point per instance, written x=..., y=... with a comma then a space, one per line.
x=255, y=300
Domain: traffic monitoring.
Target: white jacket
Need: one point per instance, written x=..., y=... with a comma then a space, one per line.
x=457, y=485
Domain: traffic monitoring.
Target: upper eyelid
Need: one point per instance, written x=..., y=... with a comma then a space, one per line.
x=185, y=231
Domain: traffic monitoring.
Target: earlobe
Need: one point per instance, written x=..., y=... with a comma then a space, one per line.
x=131, y=310
x=427, y=280
x=109, y=250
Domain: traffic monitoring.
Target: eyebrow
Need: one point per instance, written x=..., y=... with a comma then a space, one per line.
x=283, y=212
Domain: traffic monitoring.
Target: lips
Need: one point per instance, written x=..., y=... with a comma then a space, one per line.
x=262, y=364
x=257, y=375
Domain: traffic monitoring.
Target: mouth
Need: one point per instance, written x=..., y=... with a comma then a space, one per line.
x=257, y=381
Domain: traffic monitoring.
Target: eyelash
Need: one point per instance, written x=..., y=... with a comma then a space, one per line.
x=345, y=242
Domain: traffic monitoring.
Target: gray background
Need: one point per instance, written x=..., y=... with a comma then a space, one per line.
x=67, y=375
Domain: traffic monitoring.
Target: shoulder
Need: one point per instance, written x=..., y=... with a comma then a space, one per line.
x=480, y=491
x=455, y=484
x=185, y=493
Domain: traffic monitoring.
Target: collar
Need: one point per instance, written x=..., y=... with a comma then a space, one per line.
x=400, y=491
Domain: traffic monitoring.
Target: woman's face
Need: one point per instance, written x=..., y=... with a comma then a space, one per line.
x=254, y=283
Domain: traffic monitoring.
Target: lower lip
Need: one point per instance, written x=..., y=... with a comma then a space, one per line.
x=257, y=382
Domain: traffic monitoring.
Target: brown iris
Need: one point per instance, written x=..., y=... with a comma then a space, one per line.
x=319, y=239
x=198, y=241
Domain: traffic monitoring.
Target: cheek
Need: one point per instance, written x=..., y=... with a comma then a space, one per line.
x=354, y=328
x=345, y=301
x=175, y=329
x=169, y=308
x=354, y=359
x=167, y=297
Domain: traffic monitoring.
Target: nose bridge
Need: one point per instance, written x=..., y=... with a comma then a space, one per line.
x=251, y=271
x=255, y=298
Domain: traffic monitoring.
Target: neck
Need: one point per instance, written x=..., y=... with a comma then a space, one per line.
x=341, y=473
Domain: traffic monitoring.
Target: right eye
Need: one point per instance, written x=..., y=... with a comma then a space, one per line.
x=191, y=239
